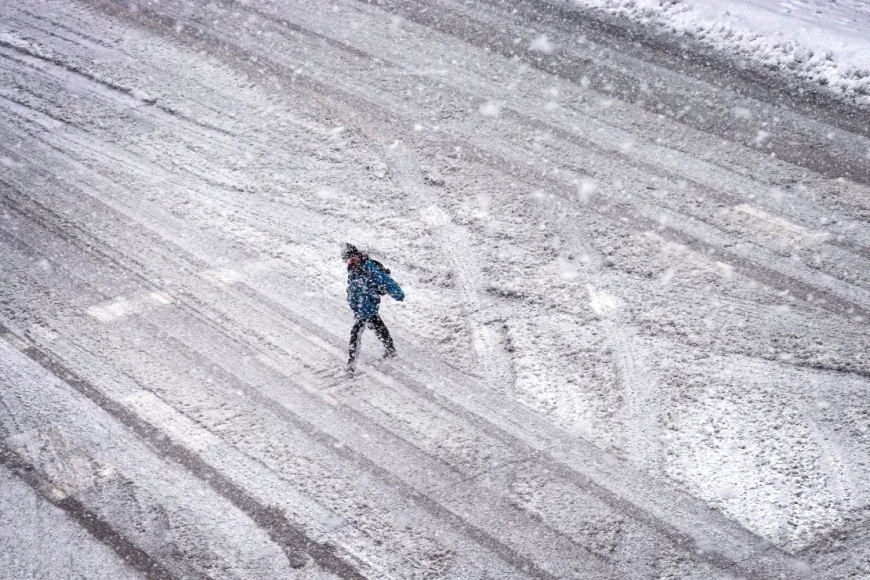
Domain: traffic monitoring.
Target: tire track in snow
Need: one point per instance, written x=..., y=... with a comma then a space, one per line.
x=417, y=386
x=831, y=457
x=458, y=246
x=610, y=80
x=845, y=244
x=480, y=535
x=245, y=6
x=744, y=265
x=290, y=538
x=683, y=539
x=366, y=108
x=486, y=321
x=347, y=447
x=731, y=187
x=635, y=379
x=192, y=463
x=131, y=554
x=320, y=339
x=846, y=552
x=419, y=389
x=521, y=428
x=702, y=176
x=638, y=387
x=782, y=276
x=629, y=364
x=156, y=503
x=26, y=52
x=655, y=159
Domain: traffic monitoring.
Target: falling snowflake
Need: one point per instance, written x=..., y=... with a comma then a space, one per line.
x=542, y=44
x=327, y=193
x=491, y=108
x=586, y=189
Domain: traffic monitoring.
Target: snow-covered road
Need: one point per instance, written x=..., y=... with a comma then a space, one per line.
x=635, y=340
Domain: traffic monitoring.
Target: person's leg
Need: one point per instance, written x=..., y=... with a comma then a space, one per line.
x=355, y=340
x=383, y=334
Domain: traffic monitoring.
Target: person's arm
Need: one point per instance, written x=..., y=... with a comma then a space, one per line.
x=383, y=280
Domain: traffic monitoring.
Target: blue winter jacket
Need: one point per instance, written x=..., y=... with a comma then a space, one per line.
x=363, y=282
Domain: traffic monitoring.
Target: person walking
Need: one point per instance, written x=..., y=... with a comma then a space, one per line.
x=367, y=281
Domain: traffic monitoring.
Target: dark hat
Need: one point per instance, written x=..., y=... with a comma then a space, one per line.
x=348, y=251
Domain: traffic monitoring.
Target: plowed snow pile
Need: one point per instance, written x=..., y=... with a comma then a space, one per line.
x=826, y=42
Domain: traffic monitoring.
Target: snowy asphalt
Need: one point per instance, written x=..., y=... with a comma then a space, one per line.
x=636, y=333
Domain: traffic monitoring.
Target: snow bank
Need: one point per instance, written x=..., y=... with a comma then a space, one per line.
x=822, y=41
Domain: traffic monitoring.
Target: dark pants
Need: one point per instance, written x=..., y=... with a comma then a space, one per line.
x=376, y=324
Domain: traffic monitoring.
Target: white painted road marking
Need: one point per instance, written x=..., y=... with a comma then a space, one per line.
x=778, y=225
